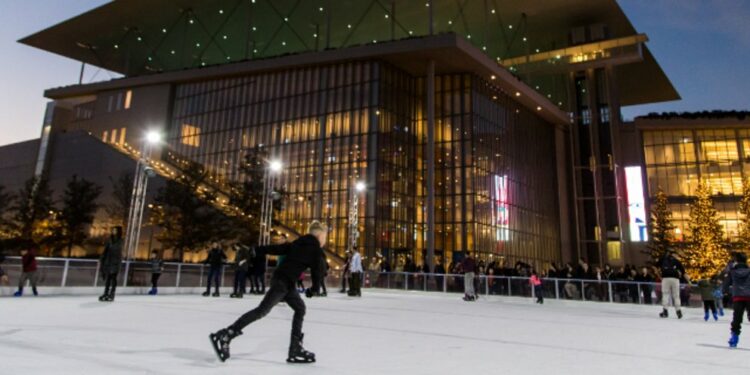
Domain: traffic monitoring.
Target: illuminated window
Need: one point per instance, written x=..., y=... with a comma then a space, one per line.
x=113, y=139
x=614, y=250
x=122, y=136
x=191, y=135
x=104, y=136
x=128, y=97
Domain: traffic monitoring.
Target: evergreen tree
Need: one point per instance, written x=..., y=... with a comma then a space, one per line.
x=6, y=199
x=744, y=227
x=79, y=207
x=31, y=209
x=705, y=254
x=660, y=227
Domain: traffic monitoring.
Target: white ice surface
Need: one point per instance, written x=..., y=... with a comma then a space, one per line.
x=381, y=333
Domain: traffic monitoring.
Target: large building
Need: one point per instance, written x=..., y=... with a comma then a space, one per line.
x=476, y=128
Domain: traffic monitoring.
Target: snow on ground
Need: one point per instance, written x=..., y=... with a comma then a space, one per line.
x=384, y=332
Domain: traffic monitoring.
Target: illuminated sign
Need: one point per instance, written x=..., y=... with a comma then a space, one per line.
x=636, y=204
x=500, y=214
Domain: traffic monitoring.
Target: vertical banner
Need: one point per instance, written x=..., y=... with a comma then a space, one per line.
x=636, y=204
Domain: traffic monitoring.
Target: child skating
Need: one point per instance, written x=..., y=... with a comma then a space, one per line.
x=706, y=289
x=536, y=283
x=305, y=252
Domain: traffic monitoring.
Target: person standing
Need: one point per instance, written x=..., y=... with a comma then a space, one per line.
x=645, y=280
x=259, y=272
x=706, y=288
x=3, y=275
x=536, y=283
x=28, y=266
x=110, y=263
x=469, y=267
x=355, y=289
x=345, y=273
x=215, y=261
x=241, y=264
x=305, y=252
x=157, y=266
x=671, y=272
x=738, y=282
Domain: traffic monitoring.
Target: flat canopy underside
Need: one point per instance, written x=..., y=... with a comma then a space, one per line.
x=136, y=37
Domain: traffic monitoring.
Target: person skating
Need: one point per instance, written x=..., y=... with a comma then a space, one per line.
x=355, y=268
x=241, y=266
x=28, y=266
x=215, y=261
x=110, y=263
x=469, y=267
x=345, y=274
x=305, y=252
x=157, y=266
x=738, y=283
x=536, y=283
x=706, y=289
x=671, y=272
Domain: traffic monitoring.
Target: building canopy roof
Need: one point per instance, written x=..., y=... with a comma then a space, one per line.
x=137, y=37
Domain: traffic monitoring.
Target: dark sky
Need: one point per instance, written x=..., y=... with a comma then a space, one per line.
x=703, y=46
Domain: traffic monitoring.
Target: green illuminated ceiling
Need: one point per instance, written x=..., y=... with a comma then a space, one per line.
x=137, y=37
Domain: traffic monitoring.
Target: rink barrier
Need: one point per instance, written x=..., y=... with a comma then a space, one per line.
x=82, y=276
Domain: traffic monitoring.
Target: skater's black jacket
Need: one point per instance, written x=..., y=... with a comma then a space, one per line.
x=304, y=252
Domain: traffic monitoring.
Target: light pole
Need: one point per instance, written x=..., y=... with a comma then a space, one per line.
x=273, y=169
x=138, y=198
x=358, y=188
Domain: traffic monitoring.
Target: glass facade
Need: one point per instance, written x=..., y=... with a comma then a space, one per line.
x=677, y=159
x=496, y=182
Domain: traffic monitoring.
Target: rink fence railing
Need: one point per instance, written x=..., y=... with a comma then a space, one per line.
x=72, y=272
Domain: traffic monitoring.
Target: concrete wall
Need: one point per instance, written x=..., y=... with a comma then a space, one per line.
x=17, y=162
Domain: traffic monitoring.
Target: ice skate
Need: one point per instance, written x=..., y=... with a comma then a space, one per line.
x=734, y=340
x=18, y=293
x=664, y=314
x=679, y=314
x=103, y=298
x=206, y=294
x=220, y=342
x=716, y=317
x=216, y=294
x=298, y=354
x=35, y=292
x=109, y=298
x=705, y=317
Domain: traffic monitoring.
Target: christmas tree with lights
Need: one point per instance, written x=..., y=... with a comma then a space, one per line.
x=660, y=228
x=705, y=254
x=744, y=228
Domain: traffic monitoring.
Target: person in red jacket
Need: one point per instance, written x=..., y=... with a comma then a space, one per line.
x=28, y=261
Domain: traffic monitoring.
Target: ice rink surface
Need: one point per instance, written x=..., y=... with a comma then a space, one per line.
x=384, y=332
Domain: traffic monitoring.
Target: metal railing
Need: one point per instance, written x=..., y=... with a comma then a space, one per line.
x=70, y=272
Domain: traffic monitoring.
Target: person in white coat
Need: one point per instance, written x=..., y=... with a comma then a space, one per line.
x=355, y=267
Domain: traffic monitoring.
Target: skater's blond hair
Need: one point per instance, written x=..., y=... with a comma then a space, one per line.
x=316, y=228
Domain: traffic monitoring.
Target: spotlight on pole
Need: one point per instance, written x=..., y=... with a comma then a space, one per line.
x=360, y=186
x=153, y=137
x=276, y=166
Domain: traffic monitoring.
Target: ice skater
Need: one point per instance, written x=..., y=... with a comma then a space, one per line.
x=355, y=269
x=28, y=266
x=305, y=252
x=109, y=264
x=706, y=288
x=739, y=282
x=241, y=263
x=671, y=272
x=157, y=266
x=469, y=266
x=536, y=283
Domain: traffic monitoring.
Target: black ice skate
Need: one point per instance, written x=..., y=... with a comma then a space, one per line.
x=103, y=298
x=216, y=294
x=679, y=314
x=664, y=314
x=206, y=294
x=298, y=354
x=220, y=341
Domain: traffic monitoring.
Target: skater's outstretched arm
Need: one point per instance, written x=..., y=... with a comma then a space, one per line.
x=282, y=249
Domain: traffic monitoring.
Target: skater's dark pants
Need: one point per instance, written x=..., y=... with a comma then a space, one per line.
x=239, y=281
x=739, y=313
x=709, y=305
x=214, y=274
x=110, y=283
x=539, y=293
x=356, y=284
x=155, y=280
x=280, y=290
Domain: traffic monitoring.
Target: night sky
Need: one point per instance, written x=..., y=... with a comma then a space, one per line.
x=702, y=45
